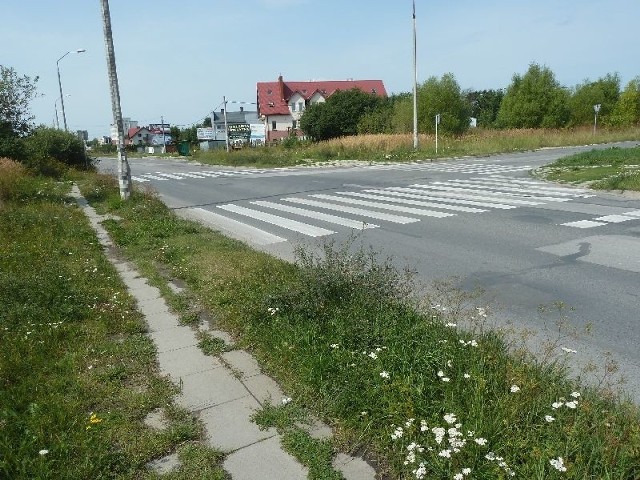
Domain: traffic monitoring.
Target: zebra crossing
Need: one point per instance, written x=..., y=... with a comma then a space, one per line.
x=439, y=167
x=321, y=214
x=605, y=220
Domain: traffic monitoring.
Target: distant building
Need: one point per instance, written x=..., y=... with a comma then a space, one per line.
x=244, y=127
x=138, y=136
x=281, y=104
x=128, y=124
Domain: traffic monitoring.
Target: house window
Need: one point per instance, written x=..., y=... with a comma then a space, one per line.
x=295, y=124
x=293, y=107
x=300, y=106
x=273, y=125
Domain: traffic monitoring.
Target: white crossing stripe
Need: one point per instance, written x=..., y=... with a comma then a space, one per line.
x=169, y=175
x=634, y=213
x=192, y=175
x=421, y=194
x=583, y=224
x=614, y=218
x=468, y=193
x=356, y=211
x=538, y=189
x=535, y=182
x=325, y=217
x=153, y=177
x=511, y=191
x=236, y=229
x=140, y=179
x=384, y=206
x=418, y=203
x=299, y=227
x=209, y=174
x=530, y=183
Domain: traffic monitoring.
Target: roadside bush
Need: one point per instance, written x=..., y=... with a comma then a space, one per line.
x=11, y=173
x=12, y=147
x=49, y=150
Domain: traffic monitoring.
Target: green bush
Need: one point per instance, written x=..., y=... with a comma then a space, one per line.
x=48, y=148
x=12, y=147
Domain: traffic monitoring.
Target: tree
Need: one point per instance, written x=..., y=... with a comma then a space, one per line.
x=339, y=115
x=485, y=105
x=16, y=93
x=435, y=96
x=627, y=111
x=380, y=120
x=534, y=100
x=604, y=92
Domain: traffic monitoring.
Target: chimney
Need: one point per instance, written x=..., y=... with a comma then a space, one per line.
x=242, y=109
x=281, y=86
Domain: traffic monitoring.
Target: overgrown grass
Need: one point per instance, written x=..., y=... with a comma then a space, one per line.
x=400, y=147
x=346, y=340
x=609, y=169
x=77, y=373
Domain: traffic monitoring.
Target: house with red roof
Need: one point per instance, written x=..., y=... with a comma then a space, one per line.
x=282, y=103
x=138, y=136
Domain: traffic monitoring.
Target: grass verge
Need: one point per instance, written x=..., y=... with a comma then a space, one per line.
x=346, y=340
x=77, y=374
x=399, y=147
x=610, y=169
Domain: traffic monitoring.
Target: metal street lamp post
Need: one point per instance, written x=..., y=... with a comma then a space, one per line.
x=64, y=117
x=55, y=106
x=596, y=109
x=415, y=82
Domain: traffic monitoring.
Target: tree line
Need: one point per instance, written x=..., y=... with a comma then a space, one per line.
x=532, y=100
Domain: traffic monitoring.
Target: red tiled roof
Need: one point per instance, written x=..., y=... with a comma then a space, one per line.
x=273, y=101
x=132, y=131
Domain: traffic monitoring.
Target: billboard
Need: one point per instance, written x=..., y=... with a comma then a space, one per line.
x=206, y=133
x=239, y=131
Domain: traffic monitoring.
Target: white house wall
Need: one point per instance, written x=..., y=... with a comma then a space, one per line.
x=283, y=122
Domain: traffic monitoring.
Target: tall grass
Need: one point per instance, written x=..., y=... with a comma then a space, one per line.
x=77, y=373
x=344, y=337
x=399, y=147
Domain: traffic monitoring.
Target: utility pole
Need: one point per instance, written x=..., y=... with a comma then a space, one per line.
x=415, y=81
x=124, y=172
x=164, y=143
x=226, y=125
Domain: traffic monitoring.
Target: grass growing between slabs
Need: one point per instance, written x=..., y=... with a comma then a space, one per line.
x=610, y=169
x=401, y=383
x=77, y=373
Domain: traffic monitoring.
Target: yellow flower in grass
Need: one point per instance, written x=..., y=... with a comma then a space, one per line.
x=93, y=420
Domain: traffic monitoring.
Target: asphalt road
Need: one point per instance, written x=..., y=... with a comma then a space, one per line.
x=484, y=221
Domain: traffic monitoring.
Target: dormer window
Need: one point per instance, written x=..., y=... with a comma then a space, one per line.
x=269, y=92
x=271, y=104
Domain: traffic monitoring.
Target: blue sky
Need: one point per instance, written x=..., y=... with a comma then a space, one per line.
x=177, y=59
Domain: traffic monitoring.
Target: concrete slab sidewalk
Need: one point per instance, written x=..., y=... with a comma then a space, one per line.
x=212, y=389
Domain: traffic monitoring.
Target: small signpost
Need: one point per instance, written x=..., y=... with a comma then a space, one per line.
x=437, y=123
x=596, y=109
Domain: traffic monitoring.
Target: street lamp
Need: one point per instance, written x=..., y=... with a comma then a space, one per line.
x=55, y=105
x=596, y=109
x=64, y=117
